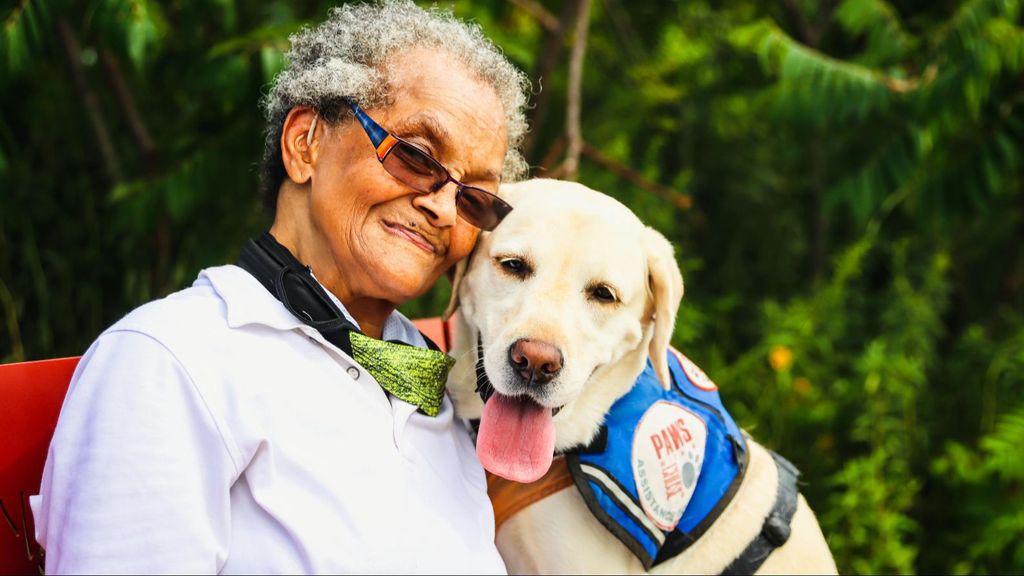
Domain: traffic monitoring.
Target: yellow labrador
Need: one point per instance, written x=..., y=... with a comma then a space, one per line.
x=560, y=307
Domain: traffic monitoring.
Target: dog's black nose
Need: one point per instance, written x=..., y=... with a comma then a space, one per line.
x=534, y=361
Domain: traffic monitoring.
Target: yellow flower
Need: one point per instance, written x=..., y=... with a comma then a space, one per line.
x=801, y=385
x=781, y=358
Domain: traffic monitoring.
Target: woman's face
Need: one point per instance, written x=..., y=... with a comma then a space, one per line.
x=386, y=241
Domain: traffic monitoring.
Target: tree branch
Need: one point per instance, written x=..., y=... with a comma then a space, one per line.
x=540, y=13
x=678, y=199
x=11, y=320
x=92, y=106
x=810, y=34
x=162, y=226
x=547, y=59
x=628, y=37
x=572, y=121
x=131, y=111
x=554, y=153
x=796, y=16
x=904, y=85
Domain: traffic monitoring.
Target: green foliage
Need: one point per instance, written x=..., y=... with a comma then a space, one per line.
x=809, y=78
x=887, y=39
x=853, y=255
x=995, y=517
x=137, y=26
x=985, y=475
x=24, y=27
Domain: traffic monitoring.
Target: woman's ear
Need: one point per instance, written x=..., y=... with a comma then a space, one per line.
x=300, y=141
x=665, y=289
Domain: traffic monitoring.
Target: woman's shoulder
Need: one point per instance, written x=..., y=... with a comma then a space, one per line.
x=194, y=332
x=210, y=314
x=196, y=309
x=225, y=313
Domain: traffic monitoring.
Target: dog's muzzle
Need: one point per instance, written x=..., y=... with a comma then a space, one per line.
x=534, y=362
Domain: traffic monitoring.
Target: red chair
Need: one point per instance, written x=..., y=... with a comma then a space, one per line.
x=31, y=394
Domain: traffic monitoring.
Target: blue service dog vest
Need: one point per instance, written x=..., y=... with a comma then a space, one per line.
x=665, y=464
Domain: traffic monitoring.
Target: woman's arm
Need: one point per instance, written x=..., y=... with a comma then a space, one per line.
x=138, y=475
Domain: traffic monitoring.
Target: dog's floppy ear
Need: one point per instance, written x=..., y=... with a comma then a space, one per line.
x=665, y=287
x=455, y=275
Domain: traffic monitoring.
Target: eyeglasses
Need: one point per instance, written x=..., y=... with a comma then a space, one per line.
x=414, y=167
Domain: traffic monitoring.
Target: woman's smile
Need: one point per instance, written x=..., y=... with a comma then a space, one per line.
x=412, y=236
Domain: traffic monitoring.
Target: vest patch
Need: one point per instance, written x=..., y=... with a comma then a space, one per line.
x=693, y=372
x=668, y=452
x=665, y=465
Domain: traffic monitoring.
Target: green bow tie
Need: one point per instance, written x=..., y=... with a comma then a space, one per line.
x=416, y=375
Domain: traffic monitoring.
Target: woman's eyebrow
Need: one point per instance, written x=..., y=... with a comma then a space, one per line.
x=426, y=125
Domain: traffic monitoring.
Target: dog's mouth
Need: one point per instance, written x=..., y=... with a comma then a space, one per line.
x=516, y=439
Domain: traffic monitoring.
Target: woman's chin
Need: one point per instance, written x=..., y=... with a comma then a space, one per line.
x=399, y=270
x=405, y=283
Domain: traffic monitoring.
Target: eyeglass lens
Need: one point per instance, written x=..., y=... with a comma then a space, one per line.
x=415, y=168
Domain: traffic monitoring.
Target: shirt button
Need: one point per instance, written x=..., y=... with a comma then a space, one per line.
x=353, y=372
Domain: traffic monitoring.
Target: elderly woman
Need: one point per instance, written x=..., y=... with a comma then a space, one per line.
x=281, y=415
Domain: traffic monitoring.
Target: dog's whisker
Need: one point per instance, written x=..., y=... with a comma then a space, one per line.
x=463, y=356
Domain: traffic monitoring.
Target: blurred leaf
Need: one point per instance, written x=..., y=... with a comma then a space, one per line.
x=24, y=30
x=273, y=37
x=140, y=23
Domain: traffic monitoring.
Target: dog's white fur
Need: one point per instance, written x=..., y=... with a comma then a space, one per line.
x=572, y=240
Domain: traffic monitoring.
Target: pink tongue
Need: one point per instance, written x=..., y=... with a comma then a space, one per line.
x=516, y=439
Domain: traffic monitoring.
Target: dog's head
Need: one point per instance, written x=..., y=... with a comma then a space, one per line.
x=566, y=298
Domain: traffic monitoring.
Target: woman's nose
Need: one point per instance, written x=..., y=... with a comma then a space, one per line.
x=439, y=206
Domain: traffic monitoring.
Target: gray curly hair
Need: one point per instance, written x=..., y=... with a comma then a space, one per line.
x=345, y=58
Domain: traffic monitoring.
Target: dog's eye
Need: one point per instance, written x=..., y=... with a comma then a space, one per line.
x=514, y=266
x=603, y=293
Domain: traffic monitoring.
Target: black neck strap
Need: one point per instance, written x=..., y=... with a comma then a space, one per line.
x=293, y=284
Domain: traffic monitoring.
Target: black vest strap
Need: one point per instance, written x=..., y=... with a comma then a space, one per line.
x=776, y=528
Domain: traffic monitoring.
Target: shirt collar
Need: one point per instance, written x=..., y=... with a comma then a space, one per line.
x=248, y=302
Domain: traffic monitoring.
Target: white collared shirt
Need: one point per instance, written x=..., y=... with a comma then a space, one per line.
x=212, y=431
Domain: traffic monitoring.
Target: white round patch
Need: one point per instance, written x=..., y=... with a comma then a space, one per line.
x=694, y=373
x=668, y=452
